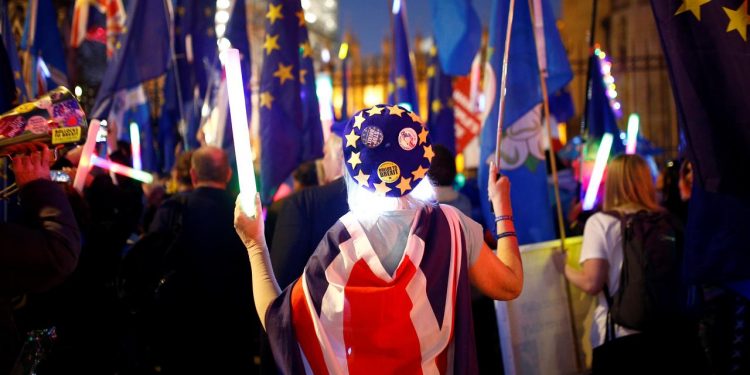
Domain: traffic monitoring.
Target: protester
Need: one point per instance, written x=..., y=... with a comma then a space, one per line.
x=305, y=176
x=443, y=173
x=375, y=268
x=629, y=189
x=39, y=253
x=209, y=322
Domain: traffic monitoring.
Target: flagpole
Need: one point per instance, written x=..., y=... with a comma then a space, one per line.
x=503, y=76
x=538, y=21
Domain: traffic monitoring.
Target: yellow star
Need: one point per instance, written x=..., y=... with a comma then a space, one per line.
x=419, y=173
x=400, y=82
x=302, y=74
x=274, y=13
x=433, y=51
x=428, y=154
x=738, y=19
x=436, y=106
x=266, y=99
x=423, y=135
x=415, y=117
x=362, y=179
x=284, y=72
x=381, y=189
x=306, y=48
x=271, y=43
x=181, y=10
x=430, y=71
x=351, y=139
x=693, y=6
x=301, y=18
x=375, y=110
x=17, y=74
x=404, y=185
x=354, y=160
x=390, y=88
x=358, y=120
x=395, y=110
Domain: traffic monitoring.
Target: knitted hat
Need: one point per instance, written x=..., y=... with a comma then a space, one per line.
x=387, y=150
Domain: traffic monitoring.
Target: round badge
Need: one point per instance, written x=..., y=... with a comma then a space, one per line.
x=372, y=136
x=407, y=139
x=37, y=125
x=389, y=172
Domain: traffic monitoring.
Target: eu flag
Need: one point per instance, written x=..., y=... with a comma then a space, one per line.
x=600, y=118
x=402, y=86
x=708, y=55
x=458, y=34
x=144, y=52
x=522, y=154
x=12, y=51
x=442, y=119
x=312, y=147
x=285, y=141
x=42, y=41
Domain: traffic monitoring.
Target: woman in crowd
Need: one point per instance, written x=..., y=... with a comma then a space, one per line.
x=388, y=287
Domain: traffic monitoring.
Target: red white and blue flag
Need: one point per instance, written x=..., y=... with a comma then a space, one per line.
x=347, y=314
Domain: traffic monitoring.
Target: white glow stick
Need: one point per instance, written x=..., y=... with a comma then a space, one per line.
x=596, y=176
x=135, y=146
x=632, y=139
x=240, y=131
x=124, y=170
x=84, y=164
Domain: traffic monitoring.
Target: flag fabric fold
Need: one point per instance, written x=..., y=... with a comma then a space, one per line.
x=441, y=120
x=20, y=95
x=402, y=85
x=458, y=34
x=522, y=154
x=45, y=66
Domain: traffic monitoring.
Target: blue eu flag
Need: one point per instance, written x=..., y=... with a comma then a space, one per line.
x=708, y=55
x=522, y=154
x=600, y=118
x=10, y=46
x=402, y=87
x=441, y=120
x=42, y=39
x=289, y=132
x=458, y=34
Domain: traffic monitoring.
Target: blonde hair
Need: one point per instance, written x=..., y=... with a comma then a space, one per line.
x=629, y=185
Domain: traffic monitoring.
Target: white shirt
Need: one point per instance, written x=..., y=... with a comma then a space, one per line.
x=602, y=239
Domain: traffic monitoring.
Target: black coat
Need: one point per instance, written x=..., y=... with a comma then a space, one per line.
x=34, y=255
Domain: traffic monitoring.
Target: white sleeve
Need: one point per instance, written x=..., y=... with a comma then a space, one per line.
x=594, y=239
x=473, y=233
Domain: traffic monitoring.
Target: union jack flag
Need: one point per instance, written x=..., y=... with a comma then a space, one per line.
x=347, y=314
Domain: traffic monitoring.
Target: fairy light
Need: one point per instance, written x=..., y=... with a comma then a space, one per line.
x=609, y=81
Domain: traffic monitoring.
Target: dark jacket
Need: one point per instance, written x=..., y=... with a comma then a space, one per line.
x=212, y=323
x=302, y=221
x=34, y=255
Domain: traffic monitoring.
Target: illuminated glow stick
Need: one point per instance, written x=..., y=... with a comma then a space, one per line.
x=632, y=140
x=84, y=165
x=240, y=131
x=135, y=146
x=120, y=169
x=596, y=176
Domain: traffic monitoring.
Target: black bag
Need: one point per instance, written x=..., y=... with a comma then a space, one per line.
x=652, y=294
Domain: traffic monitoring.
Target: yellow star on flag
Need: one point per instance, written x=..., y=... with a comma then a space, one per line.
x=181, y=10
x=351, y=139
x=693, y=6
x=271, y=43
x=436, y=106
x=302, y=74
x=266, y=99
x=415, y=117
x=306, y=48
x=358, y=120
x=428, y=154
x=738, y=19
x=274, y=13
x=404, y=185
x=375, y=110
x=284, y=72
x=301, y=18
x=400, y=82
x=419, y=173
x=430, y=71
x=395, y=110
x=362, y=179
x=354, y=160
x=381, y=189
x=390, y=88
x=423, y=135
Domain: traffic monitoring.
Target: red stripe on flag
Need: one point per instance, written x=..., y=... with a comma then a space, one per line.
x=305, y=330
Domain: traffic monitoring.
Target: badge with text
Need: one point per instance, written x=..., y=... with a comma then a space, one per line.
x=372, y=136
x=389, y=172
x=407, y=139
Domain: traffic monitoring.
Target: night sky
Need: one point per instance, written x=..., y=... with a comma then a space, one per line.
x=369, y=20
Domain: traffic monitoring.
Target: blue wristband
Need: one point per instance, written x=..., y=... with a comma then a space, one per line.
x=506, y=234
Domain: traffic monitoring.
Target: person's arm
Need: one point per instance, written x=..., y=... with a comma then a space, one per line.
x=40, y=255
x=250, y=230
x=595, y=267
x=499, y=276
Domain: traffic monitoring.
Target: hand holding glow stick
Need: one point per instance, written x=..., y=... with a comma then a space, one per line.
x=84, y=165
x=596, y=176
x=240, y=131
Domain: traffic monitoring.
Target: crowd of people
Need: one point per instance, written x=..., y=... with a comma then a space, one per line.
x=375, y=259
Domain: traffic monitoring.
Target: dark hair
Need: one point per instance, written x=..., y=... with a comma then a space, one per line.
x=306, y=174
x=210, y=164
x=182, y=168
x=443, y=167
